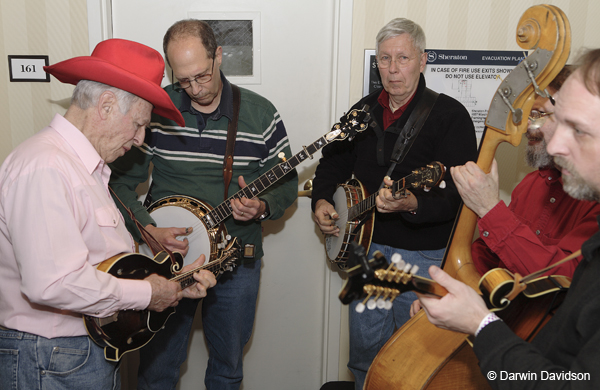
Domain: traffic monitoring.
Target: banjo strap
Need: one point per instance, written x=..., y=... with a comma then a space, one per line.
x=148, y=238
x=231, y=135
x=229, y=147
x=411, y=129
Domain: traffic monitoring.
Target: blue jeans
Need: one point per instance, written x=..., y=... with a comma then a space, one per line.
x=370, y=330
x=227, y=320
x=30, y=362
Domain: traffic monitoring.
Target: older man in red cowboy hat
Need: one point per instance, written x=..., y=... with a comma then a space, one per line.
x=58, y=222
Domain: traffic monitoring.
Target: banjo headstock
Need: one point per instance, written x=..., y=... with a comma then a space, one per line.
x=351, y=123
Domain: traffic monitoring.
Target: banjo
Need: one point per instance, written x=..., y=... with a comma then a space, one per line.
x=208, y=237
x=356, y=224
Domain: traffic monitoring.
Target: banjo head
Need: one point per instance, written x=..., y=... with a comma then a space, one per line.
x=338, y=248
x=333, y=244
x=184, y=212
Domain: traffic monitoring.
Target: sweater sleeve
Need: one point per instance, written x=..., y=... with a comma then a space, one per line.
x=284, y=192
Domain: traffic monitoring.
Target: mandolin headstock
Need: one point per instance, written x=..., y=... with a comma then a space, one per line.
x=377, y=283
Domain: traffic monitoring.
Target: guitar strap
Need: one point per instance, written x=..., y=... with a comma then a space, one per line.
x=411, y=129
x=148, y=238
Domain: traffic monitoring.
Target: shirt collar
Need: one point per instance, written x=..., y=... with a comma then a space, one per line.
x=390, y=117
x=79, y=143
x=384, y=101
x=550, y=174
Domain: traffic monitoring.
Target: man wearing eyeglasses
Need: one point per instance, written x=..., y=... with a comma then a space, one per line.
x=542, y=224
x=416, y=226
x=565, y=352
x=189, y=161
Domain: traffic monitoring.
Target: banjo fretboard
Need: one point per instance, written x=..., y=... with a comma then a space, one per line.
x=354, y=121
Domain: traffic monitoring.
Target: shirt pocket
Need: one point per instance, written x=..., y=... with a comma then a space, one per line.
x=107, y=216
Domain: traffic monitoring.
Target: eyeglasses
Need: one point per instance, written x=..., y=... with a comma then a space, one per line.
x=386, y=61
x=538, y=118
x=202, y=79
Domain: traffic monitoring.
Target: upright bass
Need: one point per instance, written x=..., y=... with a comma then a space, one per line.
x=420, y=355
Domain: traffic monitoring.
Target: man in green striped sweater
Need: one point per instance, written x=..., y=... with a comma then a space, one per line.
x=189, y=161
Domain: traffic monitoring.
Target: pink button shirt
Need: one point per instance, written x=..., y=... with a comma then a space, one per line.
x=57, y=222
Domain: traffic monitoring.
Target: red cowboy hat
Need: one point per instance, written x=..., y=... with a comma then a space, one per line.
x=122, y=64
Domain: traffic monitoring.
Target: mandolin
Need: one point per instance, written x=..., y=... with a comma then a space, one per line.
x=128, y=330
x=378, y=283
x=445, y=360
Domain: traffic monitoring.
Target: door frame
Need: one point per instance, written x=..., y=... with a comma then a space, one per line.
x=334, y=352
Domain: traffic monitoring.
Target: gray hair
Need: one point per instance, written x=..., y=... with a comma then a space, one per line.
x=87, y=93
x=401, y=26
x=589, y=68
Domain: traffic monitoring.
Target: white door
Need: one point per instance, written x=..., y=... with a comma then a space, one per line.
x=304, y=53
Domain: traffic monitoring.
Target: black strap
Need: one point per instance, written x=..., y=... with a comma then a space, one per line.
x=411, y=129
x=231, y=135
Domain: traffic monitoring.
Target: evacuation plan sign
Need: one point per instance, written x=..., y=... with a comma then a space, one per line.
x=471, y=77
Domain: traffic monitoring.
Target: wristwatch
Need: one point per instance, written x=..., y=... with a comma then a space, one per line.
x=267, y=212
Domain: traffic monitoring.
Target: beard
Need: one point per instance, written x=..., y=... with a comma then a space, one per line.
x=537, y=157
x=574, y=185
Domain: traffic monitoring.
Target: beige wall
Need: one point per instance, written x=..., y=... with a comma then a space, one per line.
x=470, y=25
x=57, y=28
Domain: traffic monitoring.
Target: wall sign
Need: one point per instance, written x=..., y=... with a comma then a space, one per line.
x=470, y=76
x=28, y=69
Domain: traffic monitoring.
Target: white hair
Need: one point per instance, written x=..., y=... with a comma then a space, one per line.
x=87, y=93
x=401, y=26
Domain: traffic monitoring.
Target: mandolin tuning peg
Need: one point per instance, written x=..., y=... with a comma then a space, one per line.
x=396, y=258
x=371, y=304
x=401, y=264
x=360, y=307
x=380, y=303
x=281, y=156
x=388, y=305
x=414, y=269
x=426, y=189
x=442, y=184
